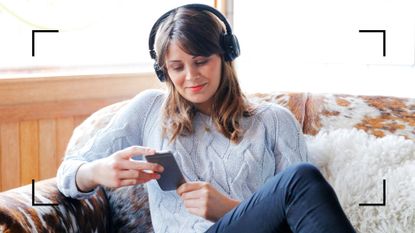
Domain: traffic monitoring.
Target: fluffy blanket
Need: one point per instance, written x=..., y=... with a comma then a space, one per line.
x=356, y=163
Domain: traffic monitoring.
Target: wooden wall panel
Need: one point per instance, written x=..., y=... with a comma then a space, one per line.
x=81, y=87
x=10, y=152
x=64, y=128
x=29, y=151
x=38, y=115
x=1, y=163
x=78, y=120
x=46, y=110
x=47, y=148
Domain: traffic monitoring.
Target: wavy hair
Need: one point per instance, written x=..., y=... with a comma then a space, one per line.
x=198, y=33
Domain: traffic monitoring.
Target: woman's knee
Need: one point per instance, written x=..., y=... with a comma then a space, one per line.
x=301, y=173
x=306, y=170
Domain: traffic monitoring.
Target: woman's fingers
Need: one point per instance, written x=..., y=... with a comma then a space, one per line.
x=191, y=186
x=197, y=194
x=143, y=178
x=127, y=163
x=133, y=177
x=128, y=182
x=148, y=176
x=120, y=170
x=128, y=152
x=135, y=174
x=128, y=174
x=139, y=165
x=193, y=203
x=122, y=159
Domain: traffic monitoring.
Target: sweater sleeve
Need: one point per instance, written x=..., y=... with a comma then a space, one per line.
x=124, y=130
x=290, y=147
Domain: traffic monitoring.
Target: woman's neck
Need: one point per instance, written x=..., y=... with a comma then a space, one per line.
x=205, y=108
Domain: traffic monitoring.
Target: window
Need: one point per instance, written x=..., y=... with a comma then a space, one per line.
x=316, y=46
x=104, y=34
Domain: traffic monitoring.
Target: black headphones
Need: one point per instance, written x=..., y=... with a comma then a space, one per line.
x=229, y=42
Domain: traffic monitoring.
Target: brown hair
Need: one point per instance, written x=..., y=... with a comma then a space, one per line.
x=198, y=33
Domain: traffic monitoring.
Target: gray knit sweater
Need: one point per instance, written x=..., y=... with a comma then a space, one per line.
x=272, y=141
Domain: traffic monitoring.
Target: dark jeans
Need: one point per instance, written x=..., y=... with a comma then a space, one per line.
x=298, y=199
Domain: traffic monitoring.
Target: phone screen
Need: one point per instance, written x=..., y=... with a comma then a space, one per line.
x=172, y=177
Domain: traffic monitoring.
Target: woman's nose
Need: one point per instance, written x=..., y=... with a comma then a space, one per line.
x=192, y=73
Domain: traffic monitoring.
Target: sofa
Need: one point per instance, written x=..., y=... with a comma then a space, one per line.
x=126, y=209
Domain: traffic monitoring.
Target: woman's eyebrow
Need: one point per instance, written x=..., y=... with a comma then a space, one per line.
x=201, y=56
x=172, y=61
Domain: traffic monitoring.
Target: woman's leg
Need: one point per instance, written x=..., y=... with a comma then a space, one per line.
x=297, y=199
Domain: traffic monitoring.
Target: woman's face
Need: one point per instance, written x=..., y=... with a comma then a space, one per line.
x=196, y=78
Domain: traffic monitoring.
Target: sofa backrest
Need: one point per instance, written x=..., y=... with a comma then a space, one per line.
x=377, y=115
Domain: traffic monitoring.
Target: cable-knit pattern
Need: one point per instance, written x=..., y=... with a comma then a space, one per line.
x=272, y=140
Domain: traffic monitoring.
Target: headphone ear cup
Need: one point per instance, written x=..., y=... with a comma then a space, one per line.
x=231, y=47
x=159, y=72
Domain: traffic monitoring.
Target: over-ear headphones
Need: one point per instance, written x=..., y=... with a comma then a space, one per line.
x=229, y=42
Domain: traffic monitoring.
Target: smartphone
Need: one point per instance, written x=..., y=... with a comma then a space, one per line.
x=171, y=178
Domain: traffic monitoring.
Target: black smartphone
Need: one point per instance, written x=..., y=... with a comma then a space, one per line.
x=171, y=178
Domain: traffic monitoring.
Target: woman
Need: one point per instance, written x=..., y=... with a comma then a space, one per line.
x=243, y=163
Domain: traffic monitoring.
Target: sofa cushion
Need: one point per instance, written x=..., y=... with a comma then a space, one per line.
x=355, y=163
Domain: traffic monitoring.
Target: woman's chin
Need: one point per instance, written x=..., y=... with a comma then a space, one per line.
x=197, y=100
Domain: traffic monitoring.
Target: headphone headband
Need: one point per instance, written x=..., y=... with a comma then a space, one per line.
x=229, y=43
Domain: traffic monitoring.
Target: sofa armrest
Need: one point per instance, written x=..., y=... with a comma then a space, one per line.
x=17, y=214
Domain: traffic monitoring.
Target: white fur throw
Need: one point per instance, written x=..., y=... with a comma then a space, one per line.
x=355, y=164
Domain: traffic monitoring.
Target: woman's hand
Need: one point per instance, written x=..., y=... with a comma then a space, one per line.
x=118, y=170
x=202, y=199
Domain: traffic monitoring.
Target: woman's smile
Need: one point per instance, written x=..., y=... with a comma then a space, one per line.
x=197, y=88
